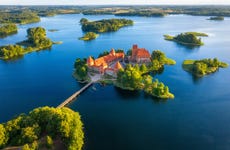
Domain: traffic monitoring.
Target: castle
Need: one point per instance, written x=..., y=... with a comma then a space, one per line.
x=140, y=55
x=108, y=64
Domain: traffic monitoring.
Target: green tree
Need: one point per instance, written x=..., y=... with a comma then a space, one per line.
x=3, y=136
x=49, y=142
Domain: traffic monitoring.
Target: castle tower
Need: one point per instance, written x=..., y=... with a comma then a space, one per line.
x=112, y=52
x=90, y=61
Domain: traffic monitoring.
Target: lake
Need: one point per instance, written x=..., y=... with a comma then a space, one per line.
x=198, y=118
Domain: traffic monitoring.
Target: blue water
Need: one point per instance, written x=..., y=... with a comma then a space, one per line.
x=198, y=118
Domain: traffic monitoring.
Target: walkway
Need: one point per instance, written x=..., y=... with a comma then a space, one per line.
x=71, y=98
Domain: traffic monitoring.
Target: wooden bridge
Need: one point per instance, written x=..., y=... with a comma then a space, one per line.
x=71, y=98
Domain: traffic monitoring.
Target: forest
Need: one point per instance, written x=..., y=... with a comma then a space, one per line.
x=37, y=40
x=187, y=38
x=202, y=67
x=81, y=69
x=104, y=25
x=8, y=29
x=132, y=78
x=59, y=125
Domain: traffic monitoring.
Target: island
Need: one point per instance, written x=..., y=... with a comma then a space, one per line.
x=187, y=38
x=217, y=18
x=43, y=128
x=128, y=72
x=37, y=40
x=104, y=25
x=89, y=36
x=203, y=67
x=8, y=29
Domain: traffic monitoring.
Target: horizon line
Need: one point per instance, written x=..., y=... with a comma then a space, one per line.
x=115, y=4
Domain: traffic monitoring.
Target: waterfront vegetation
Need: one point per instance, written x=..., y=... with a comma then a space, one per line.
x=8, y=29
x=218, y=18
x=104, y=25
x=37, y=40
x=81, y=70
x=187, y=38
x=202, y=67
x=132, y=78
x=147, y=13
x=89, y=36
x=61, y=125
x=158, y=60
x=20, y=17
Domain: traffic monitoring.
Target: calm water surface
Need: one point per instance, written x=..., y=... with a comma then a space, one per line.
x=198, y=118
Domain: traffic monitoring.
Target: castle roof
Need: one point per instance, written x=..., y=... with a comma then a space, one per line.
x=90, y=60
x=142, y=53
x=118, y=66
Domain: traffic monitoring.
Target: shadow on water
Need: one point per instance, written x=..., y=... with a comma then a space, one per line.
x=196, y=80
x=158, y=72
x=126, y=94
x=155, y=100
x=13, y=60
x=188, y=48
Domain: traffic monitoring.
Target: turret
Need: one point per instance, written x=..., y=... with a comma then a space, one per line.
x=90, y=61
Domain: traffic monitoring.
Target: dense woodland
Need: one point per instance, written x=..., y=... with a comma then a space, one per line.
x=8, y=29
x=37, y=40
x=21, y=17
x=132, y=78
x=202, y=67
x=30, y=14
x=188, y=38
x=81, y=69
x=55, y=124
x=105, y=25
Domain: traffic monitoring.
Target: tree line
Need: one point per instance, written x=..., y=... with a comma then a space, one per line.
x=8, y=29
x=104, y=25
x=54, y=123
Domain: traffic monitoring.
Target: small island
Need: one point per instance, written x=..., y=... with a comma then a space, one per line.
x=217, y=18
x=187, y=38
x=8, y=29
x=42, y=128
x=89, y=36
x=104, y=25
x=203, y=67
x=128, y=72
x=37, y=40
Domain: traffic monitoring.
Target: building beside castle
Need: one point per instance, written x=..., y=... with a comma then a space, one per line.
x=107, y=64
x=140, y=55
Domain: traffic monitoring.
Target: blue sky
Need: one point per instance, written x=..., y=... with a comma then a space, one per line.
x=105, y=2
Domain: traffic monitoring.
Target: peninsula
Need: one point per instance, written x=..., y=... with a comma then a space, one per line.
x=37, y=40
x=128, y=72
x=89, y=36
x=8, y=29
x=187, y=38
x=203, y=67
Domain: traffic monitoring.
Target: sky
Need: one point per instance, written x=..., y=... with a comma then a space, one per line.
x=114, y=2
